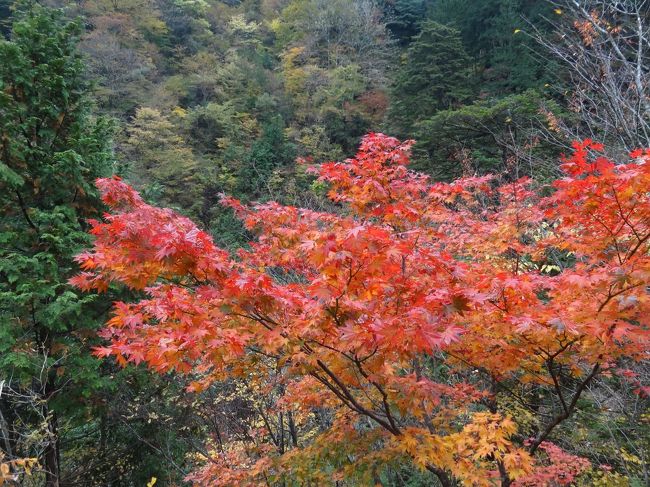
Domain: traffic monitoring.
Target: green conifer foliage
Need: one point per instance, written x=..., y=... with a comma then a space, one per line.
x=434, y=76
x=51, y=151
x=405, y=17
x=269, y=155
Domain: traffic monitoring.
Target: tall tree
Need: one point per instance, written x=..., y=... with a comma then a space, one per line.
x=270, y=153
x=405, y=17
x=51, y=151
x=493, y=34
x=434, y=76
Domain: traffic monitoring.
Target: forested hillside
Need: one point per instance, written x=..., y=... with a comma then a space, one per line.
x=193, y=293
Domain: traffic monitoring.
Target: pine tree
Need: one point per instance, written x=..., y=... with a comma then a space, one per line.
x=51, y=151
x=405, y=18
x=269, y=154
x=495, y=34
x=434, y=76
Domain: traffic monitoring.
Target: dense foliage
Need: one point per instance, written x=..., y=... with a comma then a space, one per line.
x=416, y=323
x=188, y=100
x=51, y=153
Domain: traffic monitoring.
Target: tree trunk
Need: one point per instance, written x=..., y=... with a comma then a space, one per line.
x=51, y=456
x=5, y=436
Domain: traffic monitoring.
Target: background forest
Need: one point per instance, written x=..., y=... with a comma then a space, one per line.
x=191, y=99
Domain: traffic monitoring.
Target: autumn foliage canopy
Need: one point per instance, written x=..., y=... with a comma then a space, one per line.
x=402, y=318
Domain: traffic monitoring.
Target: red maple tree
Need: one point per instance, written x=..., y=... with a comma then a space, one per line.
x=403, y=318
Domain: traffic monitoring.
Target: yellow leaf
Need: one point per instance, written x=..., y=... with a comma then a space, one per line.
x=517, y=31
x=152, y=482
x=179, y=112
x=558, y=11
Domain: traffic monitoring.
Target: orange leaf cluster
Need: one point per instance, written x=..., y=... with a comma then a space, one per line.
x=403, y=315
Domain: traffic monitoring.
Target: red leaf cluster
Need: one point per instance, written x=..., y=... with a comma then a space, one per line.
x=493, y=284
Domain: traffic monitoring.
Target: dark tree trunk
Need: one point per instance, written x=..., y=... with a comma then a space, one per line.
x=51, y=456
x=444, y=478
x=5, y=436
